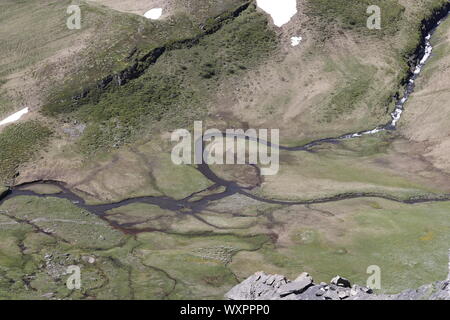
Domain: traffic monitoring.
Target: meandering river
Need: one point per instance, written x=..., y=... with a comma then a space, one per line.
x=190, y=206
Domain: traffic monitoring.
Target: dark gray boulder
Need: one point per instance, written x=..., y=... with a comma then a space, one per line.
x=341, y=282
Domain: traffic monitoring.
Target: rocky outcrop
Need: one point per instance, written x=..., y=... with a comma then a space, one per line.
x=262, y=286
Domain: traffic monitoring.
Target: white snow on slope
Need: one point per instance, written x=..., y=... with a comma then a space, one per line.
x=281, y=10
x=14, y=117
x=295, y=41
x=153, y=14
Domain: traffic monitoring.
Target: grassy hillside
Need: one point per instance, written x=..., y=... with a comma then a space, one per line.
x=351, y=14
x=361, y=92
x=423, y=122
x=178, y=89
x=46, y=62
x=18, y=143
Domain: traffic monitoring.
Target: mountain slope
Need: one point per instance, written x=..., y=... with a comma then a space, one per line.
x=89, y=169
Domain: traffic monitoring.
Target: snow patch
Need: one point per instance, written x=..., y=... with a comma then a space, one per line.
x=14, y=117
x=281, y=10
x=295, y=41
x=154, y=14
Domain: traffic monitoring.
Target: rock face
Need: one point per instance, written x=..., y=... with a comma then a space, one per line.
x=299, y=285
x=261, y=286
